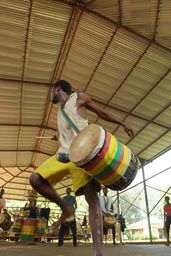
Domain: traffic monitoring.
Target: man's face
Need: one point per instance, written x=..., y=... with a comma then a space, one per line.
x=54, y=97
x=68, y=191
x=105, y=191
x=1, y=192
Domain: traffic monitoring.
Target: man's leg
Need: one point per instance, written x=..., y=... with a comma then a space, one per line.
x=74, y=233
x=113, y=234
x=61, y=235
x=42, y=187
x=167, y=227
x=95, y=217
x=105, y=234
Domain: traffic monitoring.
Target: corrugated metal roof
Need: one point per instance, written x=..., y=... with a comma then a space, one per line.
x=118, y=52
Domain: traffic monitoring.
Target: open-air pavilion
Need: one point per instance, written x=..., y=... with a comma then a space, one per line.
x=116, y=51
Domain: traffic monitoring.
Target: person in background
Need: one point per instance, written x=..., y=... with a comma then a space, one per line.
x=44, y=213
x=3, y=210
x=2, y=201
x=30, y=209
x=33, y=210
x=122, y=225
x=167, y=218
x=85, y=229
x=54, y=169
x=71, y=201
x=107, y=210
x=26, y=207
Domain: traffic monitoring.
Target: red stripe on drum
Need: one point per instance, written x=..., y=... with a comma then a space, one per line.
x=93, y=162
x=121, y=168
x=113, y=166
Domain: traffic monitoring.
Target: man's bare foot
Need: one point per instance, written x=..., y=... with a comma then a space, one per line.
x=68, y=212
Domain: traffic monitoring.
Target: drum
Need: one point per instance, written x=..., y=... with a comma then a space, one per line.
x=52, y=232
x=5, y=221
x=17, y=226
x=102, y=156
x=68, y=221
x=109, y=221
x=40, y=226
x=28, y=228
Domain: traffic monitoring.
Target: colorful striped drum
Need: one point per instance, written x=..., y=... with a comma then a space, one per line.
x=28, y=228
x=17, y=226
x=102, y=156
x=40, y=226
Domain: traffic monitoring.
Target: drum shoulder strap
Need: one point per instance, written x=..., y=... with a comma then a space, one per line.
x=70, y=121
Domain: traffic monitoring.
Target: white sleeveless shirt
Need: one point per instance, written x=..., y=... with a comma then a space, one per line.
x=66, y=132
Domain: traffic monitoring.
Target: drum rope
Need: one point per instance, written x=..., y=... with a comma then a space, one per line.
x=70, y=121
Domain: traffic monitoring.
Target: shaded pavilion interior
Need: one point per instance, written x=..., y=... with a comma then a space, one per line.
x=116, y=51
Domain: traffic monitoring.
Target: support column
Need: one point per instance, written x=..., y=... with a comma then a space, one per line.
x=146, y=202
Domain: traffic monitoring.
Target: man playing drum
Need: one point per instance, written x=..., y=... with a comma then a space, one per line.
x=55, y=168
x=107, y=211
x=69, y=222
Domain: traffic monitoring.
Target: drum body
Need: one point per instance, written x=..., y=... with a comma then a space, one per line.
x=40, y=227
x=69, y=220
x=5, y=221
x=28, y=228
x=109, y=221
x=102, y=156
x=17, y=226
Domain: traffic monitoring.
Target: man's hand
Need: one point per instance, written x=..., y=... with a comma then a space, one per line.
x=5, y=211
x=108, y=214
x=129, y=131
x=54, y=138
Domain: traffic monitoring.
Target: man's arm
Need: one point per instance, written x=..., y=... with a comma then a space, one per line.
x=85, y=101
x=75, y=204
x=4, y=203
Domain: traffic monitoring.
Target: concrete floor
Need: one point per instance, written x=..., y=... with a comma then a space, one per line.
x=51, y=249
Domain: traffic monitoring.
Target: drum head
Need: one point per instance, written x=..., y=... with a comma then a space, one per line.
x=70, y=219
x=2, y=218
x=84, y=144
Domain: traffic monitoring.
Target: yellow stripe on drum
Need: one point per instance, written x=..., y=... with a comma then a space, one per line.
x=28, y=230
x=126, y=166
x=40, y=226
x=120, y=169
x=106, y=159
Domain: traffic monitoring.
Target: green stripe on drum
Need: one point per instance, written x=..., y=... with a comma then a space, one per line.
x=113, y=163
x=16, y=230
x=26, y=238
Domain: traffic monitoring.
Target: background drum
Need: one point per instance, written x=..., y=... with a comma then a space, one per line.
x=109, y=221
x=69, y=220
x=40, y=227
x=28, y=228
x=5, y=221
x=17, y=226
x=102, y=156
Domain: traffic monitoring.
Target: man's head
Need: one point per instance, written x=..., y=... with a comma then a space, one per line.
x=59, y=86
x=68, y=191
x=2, y=191
x=105, y=191
x=167, y=199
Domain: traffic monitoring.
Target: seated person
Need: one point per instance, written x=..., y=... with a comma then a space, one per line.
x=2, y=201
